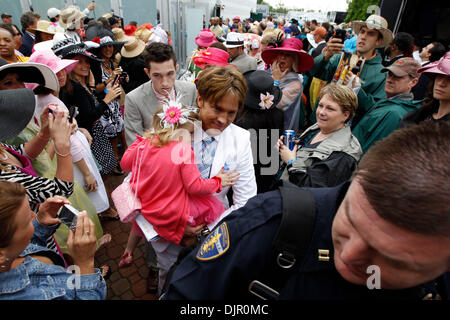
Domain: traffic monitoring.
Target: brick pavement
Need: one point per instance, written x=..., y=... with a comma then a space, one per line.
x=127, y=283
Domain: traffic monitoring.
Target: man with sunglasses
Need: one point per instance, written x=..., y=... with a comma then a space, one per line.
x=384, y=116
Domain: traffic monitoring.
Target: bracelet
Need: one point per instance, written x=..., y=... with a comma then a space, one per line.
x=59, y=154
x=290, y=161
x=276, y=83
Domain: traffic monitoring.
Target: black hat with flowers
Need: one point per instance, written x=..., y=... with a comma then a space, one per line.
x=262, y=93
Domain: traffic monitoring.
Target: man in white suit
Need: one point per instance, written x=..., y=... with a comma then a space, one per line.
x=221, y=94
x=142, y=103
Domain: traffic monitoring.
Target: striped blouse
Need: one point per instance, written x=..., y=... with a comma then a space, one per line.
x=38, y=189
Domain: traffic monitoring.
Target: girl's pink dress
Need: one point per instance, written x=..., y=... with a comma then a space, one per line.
x=170, y=188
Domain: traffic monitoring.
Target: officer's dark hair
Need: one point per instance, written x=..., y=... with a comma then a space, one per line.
x=158, y=52
x=436, y=52
x=405, y=178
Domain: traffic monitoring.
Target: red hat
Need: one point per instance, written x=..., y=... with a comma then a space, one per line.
x=205, y=38
x=148, y=25
x=237, y=18
x=320, y=31
x=129, y=29
x=213, y=56
x=304, y=62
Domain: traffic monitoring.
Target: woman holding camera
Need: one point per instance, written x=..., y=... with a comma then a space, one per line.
x=91, y=108
x=30, y=271
x=105, y=73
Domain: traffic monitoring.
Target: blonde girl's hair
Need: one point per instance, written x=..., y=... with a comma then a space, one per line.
x=164, y=135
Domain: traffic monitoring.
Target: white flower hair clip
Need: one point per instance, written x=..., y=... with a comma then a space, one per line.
x=266, y=100
x=175, y=113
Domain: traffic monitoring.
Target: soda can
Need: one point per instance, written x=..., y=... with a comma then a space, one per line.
x=289, y=139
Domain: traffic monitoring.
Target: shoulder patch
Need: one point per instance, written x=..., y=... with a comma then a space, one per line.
x=215, y=245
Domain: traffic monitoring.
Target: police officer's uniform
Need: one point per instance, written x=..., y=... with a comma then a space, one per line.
x=236, y=253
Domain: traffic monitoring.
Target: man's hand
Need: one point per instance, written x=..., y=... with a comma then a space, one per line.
x=334, y=46
x=190, y=235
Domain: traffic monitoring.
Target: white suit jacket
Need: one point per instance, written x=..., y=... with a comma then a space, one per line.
x=233, y=152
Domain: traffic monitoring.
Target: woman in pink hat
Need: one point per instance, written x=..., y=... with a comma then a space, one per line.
x=203, y=41
x=436, y=107
x=211, y=57
x=286, y=62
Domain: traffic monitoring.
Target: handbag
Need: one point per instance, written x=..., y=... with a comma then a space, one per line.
x=126, y=201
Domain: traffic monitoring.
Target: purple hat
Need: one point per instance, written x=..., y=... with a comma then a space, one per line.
x=441, y=66
x=205, y=38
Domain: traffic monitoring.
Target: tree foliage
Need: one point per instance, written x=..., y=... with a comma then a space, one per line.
x=358, y=9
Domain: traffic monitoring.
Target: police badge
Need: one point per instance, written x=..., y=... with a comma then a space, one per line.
x=216, y=244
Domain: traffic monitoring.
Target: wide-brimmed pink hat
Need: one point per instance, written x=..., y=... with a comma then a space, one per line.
x=441, y=66
x=48, y=58
x=304, y=62
x=205, y=38
x=213, y=56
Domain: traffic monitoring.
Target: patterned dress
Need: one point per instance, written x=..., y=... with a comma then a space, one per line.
x=112, y=119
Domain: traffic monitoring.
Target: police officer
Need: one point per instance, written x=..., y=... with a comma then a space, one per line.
x=384, y=235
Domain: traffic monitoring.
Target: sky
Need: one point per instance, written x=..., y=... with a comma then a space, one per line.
x=324, y=5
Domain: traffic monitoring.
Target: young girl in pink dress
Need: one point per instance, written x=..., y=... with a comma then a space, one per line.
x=169, y=186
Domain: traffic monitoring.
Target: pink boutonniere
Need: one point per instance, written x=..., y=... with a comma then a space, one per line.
x=266, y=100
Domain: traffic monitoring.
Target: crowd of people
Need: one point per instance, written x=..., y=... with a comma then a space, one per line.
x=209, y=158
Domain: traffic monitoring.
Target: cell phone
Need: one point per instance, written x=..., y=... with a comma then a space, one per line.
x=68, y=215
x=340, y=34
x=72, y=110
x=116, y=80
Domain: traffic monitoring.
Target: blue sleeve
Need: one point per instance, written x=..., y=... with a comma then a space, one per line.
x=42, y=233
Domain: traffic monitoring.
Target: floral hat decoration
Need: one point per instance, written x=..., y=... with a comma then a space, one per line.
x=174, y=114
x=262, y=94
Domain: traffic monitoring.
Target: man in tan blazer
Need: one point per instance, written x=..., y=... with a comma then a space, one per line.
x=142, y=103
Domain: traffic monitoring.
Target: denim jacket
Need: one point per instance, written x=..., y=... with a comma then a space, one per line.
x=34, y=280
